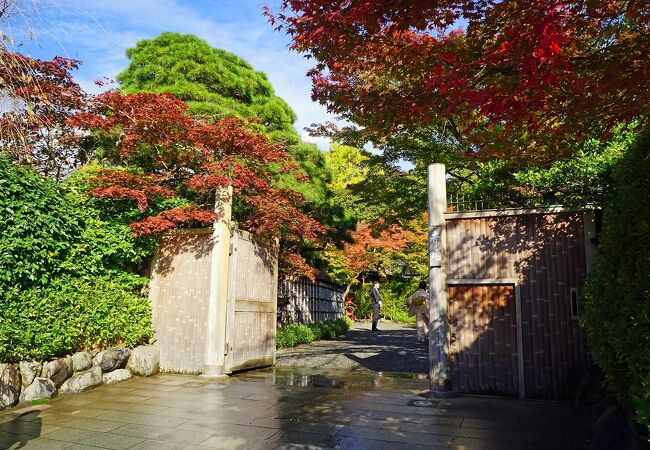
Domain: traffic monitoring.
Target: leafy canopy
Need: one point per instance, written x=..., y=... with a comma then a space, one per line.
x=37, y=97
x=214, y=83
x=521, y=79
x=171, y=165
x=370, y=248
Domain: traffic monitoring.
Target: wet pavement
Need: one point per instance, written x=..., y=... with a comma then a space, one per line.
x=393, y=348
x=288, y=408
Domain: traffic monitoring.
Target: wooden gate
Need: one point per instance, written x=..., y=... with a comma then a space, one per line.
x=483, y=330
x=180, y=287
x=514, y=279
x=252, y=304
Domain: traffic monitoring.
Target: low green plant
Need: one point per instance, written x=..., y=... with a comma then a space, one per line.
x=294, y=334
x=72, y=314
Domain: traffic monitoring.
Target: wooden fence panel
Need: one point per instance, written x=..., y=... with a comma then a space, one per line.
x=179, y=290
x=484, y=354
x=304, y=301
x=252, y=304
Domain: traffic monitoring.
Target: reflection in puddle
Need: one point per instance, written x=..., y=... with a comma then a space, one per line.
x=354, y=380
x=306, y=380
x=409, y=376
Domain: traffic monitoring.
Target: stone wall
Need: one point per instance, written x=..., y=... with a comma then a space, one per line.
x=28, y=381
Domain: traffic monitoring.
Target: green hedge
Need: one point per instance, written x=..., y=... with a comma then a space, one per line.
x=67, y=278
x=295, y=334
x=72, y=314
x=39, y=227
x=617, y=297
x=52, y=230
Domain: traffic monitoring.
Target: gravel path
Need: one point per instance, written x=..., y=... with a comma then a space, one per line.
x=393, y=348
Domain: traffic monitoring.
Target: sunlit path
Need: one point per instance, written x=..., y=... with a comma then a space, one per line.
x=393, y=349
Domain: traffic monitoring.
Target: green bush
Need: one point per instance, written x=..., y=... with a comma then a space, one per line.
x=295, y=334
x=72, y=314
x=617, y=296
x=39, y=227
x=67, y=279
x=51, y=230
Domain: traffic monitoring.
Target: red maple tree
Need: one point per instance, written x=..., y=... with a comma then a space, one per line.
x=155, y=150
x=371, y=245
x=516, y=78
x=37, y=98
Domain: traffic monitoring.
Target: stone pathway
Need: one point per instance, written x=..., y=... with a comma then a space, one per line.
x=287, y=408
x=392, y=349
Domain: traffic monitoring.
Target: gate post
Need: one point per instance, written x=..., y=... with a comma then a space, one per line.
x=439, y=379
x=215, y=339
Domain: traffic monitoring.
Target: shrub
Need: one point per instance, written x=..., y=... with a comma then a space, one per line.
x=73, y=314
x=50, y=230
x=617, y=296
x=295, y=334
x=39, y=227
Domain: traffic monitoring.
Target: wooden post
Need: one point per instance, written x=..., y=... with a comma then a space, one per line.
x=589, y=220
x=439, y=379
x=215, y=339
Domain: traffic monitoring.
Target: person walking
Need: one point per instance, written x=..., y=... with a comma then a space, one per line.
x=418, y=303
x=376, y=305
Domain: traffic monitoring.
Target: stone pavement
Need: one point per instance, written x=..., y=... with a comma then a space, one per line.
x=287, y=408
x=393, y=348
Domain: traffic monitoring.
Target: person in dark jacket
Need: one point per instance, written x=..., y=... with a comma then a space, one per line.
x=376, y=305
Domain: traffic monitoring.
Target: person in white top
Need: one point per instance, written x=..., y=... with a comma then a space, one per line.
x=419, y=307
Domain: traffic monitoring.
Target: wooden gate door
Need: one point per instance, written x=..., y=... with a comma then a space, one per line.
x=252, y=304
x=483, y=329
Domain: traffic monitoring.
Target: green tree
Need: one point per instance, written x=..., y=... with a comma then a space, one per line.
x=214, y=83
x=348, y=166
x=580, y=180
x=217, y=84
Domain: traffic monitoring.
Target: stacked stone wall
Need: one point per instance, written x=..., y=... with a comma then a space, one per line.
x=29, y=381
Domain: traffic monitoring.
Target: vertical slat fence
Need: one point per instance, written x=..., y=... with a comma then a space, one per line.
x=304, y=301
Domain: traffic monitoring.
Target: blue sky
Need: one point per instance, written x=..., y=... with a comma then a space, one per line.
x=99, y=32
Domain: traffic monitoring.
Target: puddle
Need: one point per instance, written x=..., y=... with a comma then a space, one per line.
x=408, y=376
x=350, y=381
x=307, y=381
